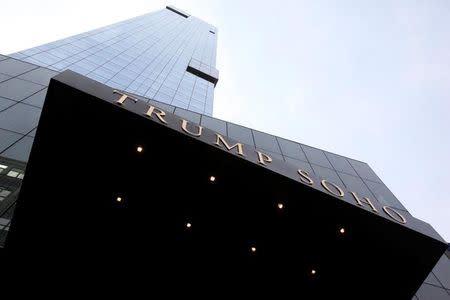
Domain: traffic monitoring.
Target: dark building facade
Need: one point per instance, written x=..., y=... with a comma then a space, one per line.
x=166, y=60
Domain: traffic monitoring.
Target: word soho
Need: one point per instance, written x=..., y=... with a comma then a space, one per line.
x=264, y=159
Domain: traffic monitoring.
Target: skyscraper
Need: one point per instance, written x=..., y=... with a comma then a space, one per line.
x=166, y=60
x=168, y=56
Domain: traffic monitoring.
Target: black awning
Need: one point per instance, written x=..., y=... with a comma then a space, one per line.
x=111, y=189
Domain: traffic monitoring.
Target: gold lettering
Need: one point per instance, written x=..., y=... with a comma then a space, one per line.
x=388, y=210
x=240, y=147
x=325, y=183
x=304, y=177
x=184, y=127
x=123, y=97
x=263, y=158
x=364, y=200
x=159, y=114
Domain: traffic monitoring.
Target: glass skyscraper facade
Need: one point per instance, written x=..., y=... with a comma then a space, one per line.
x=149, y=55
x=166, y=58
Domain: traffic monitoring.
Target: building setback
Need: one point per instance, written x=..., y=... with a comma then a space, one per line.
x=157, y=71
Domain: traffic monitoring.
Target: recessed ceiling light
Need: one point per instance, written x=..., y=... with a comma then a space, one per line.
x=212, y=178
x=139, y=149
x=188, y=225
x=119, y=199
x=280, y=205
x=342, y=230
x=253, y=249
x=313, y=272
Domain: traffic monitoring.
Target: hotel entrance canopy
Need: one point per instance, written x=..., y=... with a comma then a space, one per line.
x=114, y=185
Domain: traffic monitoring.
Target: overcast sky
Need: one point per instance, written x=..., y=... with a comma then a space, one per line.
x=364, y=79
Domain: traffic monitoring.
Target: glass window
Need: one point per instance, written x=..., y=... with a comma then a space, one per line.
x=181, y=98
x=266, y=141
x=97, y=77
x=32, y=133
x=299, y=164
x=327, y=174
x=17, y=55
x=167, y=90
x=165, y=107
x=132, y=87
x=45, y=47
x=172, y=85
x=186, y=92
x=215, y=125
x=340, y=163
x=291, y=149
x=316, y=156
x=13, y=67
x=208, y=111
x=40, y=76
x=4, y=193
x=128, y=73
x=37, y=99
x=13, y=173
x=46, y=58
x=72, y=49
x=188, y=115
x=5, y=103
x=364, y=170
x=197, y=103
x=7, y=138
x=112, y=67
x=428, y=291
x=122, y=79
x=62, y=65
x=4, y=77
x=240, y=134
x=20, y=150
x=355, y=184
x=180, y=104
x=106, y=56
x=383, y=194
x=432, y=279
x=104, y=72
x=196, y=109
x=17, y=89
x=96, y=59
x=16, y=173
x=198, y=94
x=20, y=118
x=85, y=64
x=78, y=69
x=442, y=271
x=75, y=58
x=273, y=155
x=163, y=97
x=61, y=54
x=143, y=90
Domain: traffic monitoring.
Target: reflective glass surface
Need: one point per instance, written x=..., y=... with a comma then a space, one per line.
x=147, y=55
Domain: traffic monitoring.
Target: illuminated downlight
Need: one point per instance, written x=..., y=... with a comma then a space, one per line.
x=280, y=206
x=253, y=249
x=139, y=149
x=188, y=225
x=313, y=272
x=119, y=199
x=342, y=230
x=212, y=178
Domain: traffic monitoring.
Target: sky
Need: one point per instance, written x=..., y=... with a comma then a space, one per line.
x=365, y=79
